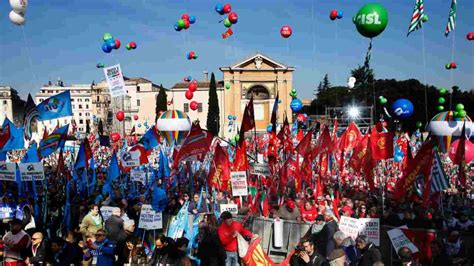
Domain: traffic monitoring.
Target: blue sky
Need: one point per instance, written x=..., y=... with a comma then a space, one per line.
x=64, y=38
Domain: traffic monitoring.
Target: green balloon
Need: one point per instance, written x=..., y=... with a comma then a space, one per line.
x=440, y=108
x=195, y=56
x=441, y=100
x=181, y=23
x=233, y=142
x=459, y=107
x=381, y=97
x=237, y=138
x=371, y=20
x=227, y=23
x=128, y=46
x=107, y=36
x=424, y=18
x=419, y=124
x=462, y=113
x=447, y=66
x=443, y=91
x=227, y=86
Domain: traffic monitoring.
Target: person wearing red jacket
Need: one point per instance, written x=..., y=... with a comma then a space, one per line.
x=228, y=231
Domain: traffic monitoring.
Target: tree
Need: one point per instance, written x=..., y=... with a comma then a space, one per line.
x=326, y=83
x=161, y=102
x=100, y=127
x=213, y=111
x=317, y=90
x=358, y=74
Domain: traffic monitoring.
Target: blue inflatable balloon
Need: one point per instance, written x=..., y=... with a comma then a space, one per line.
x=111, y=43
x=269, y=128
x=106, y=48
x=234, y=117
x=296, y=105
x=190, y=78
x=402, y=108
x=139, y=125
x=231, y=123
x=340, y=14
x=219, y=9
x=192, y=19
x=229, y=117
x=176, y=27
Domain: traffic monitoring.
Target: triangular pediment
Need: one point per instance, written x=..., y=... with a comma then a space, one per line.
x=259, y=61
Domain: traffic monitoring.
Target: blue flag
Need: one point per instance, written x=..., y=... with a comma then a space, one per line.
x=94, y=177
x=53, y=142
x=16, y=140
x=81, y=160
x=55, y=106
x=159, y=201
x=113, y=172
x=3, y=156
x=150, y=139
x=31, y=155
x=67, y=209
x=164, y=165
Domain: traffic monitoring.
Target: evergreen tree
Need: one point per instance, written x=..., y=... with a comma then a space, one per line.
x=213, y=111
x=358, y=74
x=326, y=84
x=161, y=102
x=317, y=90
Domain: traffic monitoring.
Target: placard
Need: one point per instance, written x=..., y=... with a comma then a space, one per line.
x=137, y=175
x=7, y=171
x=6, y=211
x=371, y=228
x=149, y=219
x=399, y=239
x=106, y=212
x=232, y=208
x=28, y=171
x=130, y=159
x=260, y=169
x=114, y=77
x=239, y=183
x=350, y=226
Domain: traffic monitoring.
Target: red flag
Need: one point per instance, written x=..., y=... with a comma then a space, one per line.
x=335, y=204
x=256, y=256
x=359, y=153
x=195, y=146
x=422, y=240
x=323, y=165
x=283, y=177
x=248, y=120
x=297, y=175
x=369, y=165
x=219, y=174
x=350, y=137
x=4, y=134
x=241, y=162
x=421, y=165
x=304, y=147
x=319, y=188
x=299, y=135
x=143, y=153
x=324, y=145
x=285, y=137
x=460, y=155
x=306, y=166
x=381, y=144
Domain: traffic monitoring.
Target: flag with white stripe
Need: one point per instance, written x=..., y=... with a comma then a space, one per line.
x=439, y=180
x=451, y=19
x=417, y=17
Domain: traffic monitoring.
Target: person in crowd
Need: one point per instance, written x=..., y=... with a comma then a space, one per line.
x=220, y=199
x=114, y=227
x=288, y=211
x=126, y=248
x=347, y=244
x=210, y=251
x=309, y=212
x=324, y=239
x=38, y=252
x=194, y=207
x=101, y=251
x=63, y=253
x=307, y=255
x=228, y=231
x=438, y=254
x=406, y=257
x=338, y=258
x=91, y=222
x=464, y=224
x=163, y=248
x=454, y=246
x=180, y=257
x=369, y=252
x=15, y=242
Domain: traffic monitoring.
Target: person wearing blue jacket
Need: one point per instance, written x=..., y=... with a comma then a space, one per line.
x=101, y=251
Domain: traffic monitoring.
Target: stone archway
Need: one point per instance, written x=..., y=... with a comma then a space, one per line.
x=259, y=92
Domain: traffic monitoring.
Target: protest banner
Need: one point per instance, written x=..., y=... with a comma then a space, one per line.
x=350, y=226
x=114, y=77
x=7, y=171
x=150, y=219
x=130, y=159
x=106, y=212
x=232, y=208
x=6, y=211
x=239, y=183
x=137, y=175
x=371, y=228
x=30, y=171
x=260, y=169
x=399, y=239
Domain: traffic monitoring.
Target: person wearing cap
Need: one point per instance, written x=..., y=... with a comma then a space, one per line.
x=227, y=232
x=307, y=255
x=288, y=211
x=16, y=242
x=370, y=254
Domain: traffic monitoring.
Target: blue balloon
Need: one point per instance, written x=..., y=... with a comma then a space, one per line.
x=176, y=27
x=190, y=78
x=234, y=117
x=269, y=128
x=296, y=105
x=398, y=158
x=340, y=14
x=192, y=19
x=219, y=9
x=139, y=125
x=111, y=43
x=106, y=48
x=229, y=117
x=402, y=108
x=231, y=123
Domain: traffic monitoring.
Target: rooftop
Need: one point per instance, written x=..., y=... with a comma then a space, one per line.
x=201, y=84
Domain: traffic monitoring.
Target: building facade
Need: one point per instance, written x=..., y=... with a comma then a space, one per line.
x=11, y=106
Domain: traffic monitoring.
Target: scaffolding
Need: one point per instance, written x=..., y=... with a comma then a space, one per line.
x=364, y=119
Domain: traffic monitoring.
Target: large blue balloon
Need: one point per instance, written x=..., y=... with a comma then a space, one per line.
x=219, y=8
x=192, y=19
x=296, y=105
x=402, y=108
x=106, y=48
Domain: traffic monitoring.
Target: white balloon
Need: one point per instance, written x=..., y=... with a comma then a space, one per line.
x=352, y=80
x=19, y=5
x=17, y=18
x=350, y=85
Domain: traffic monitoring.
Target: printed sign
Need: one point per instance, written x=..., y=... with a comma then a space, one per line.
x=130, y=159
x=7, y=171
x=260, y=169
x=106, y=212
x=114, y=77
x=350, y=226
x=371, y=228
x=138, y=176
x=149, y=219
x=239, y=183
x=30, y=171
x=232, y=208
x=6, y=211
x=399, y=239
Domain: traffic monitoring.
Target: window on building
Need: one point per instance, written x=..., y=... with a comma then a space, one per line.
x=199, y=107
x=4, y=101
x=79, y=100
x=98, y=98
x=73, y=106
x=80, y=114
x=138, y=88
x=86, y=100
x=186, y=107
x=41, y=100
x=80, y=106
x=65, y=121
x=138, y=102
x=81, y=121
x=72, y=100
x=81, y=129
x=87, y=106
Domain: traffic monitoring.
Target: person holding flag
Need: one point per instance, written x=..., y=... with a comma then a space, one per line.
x=228, y=231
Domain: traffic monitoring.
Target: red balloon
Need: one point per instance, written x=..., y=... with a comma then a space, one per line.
x=301, y=118
x=193, y=85
x=189, y=94
x=186, y=24
x=135, y=117
x=120, y=116
x=191, y=54
x=453, y=65
x=227, y=8
x=470, y=36
x=469, y=150
x=380, y=125
x=193, y=105
x=115, y=136
x=233, y=17
x=333, y=14
x=133, y=45
x=286, y=31
x=117, y=43
x=185, y=17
